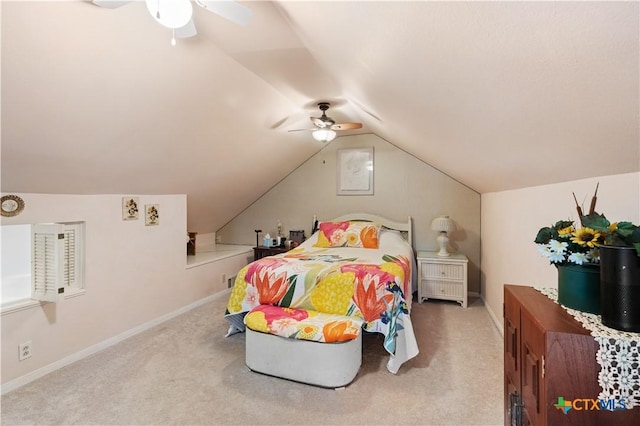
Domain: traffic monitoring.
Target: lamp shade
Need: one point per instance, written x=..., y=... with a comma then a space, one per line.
x=324, y=135
x=443, y=224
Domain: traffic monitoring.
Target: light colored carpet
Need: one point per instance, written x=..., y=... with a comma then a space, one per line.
x=185, y=371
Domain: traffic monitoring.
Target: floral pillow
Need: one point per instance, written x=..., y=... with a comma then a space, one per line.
x=348, y=234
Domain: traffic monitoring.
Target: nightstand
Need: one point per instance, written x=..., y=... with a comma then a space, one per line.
x=261, y=251
x=441, y=277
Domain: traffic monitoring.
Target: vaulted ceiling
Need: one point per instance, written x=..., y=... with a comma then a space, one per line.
x=499, y=95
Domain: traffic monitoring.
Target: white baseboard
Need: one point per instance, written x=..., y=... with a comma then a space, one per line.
x=492, y=315
x=36, y=374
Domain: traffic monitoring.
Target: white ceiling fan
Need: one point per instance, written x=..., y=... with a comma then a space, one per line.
x=325, y=126
x=177, y=14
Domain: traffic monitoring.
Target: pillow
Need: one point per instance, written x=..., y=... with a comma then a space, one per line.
x=348, y=234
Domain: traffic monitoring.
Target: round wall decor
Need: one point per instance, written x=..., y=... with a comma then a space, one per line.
x=12, y=205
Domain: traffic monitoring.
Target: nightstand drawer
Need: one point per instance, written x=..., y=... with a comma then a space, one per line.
x=442, y=271
x=446, y=289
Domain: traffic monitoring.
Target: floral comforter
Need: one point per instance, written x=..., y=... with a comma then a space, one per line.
x=367, y=284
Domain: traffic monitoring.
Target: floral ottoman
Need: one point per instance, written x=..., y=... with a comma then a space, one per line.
x=303, y=345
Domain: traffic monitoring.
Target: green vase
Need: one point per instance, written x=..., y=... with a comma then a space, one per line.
x=579, y=287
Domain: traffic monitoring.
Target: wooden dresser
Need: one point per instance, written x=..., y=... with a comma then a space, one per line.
x=549, y=355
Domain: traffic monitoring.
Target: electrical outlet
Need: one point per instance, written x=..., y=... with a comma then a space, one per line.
x=25, y=351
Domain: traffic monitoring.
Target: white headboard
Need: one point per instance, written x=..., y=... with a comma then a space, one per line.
x=405, y=228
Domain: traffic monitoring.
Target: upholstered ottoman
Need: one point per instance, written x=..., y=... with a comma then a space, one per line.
x=302, y=345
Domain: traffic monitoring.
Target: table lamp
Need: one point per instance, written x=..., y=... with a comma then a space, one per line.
x=443, y=225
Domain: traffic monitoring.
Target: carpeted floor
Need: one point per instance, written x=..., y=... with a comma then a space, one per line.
x=185, y=371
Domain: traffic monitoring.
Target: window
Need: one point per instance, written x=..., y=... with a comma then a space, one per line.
x=42, y=261
x=16, y=263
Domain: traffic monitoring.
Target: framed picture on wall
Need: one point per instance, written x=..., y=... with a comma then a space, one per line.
x=152, y=214
x=130, y=208
x=355, y=171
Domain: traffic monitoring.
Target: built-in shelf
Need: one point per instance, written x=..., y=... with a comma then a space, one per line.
x=208, y=254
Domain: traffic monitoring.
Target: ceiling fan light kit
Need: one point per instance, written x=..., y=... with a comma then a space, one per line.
x=171, y=14
x=324, y=135
x=177, y=15
x=325, y=127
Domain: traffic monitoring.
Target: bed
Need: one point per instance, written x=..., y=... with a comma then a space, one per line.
x=357, y=265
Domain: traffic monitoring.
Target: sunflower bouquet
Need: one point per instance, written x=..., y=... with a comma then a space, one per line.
x=564, y=244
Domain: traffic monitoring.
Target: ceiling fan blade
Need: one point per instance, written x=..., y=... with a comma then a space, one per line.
x=187, y=31
x=111, y=4
x=318, y=122
x=228, y=9
x=346, y=126
x=301, y=130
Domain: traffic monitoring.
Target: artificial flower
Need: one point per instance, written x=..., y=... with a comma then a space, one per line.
x=620, y=234
x=563, y=244
x=586, y=236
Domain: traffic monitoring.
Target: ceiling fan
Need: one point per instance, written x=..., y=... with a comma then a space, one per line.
x=325, y=126
x=177, y=14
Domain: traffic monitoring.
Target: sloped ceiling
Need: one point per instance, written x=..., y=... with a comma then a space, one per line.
x=499, y=95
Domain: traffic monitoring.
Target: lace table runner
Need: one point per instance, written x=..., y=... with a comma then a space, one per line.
x=618, y=355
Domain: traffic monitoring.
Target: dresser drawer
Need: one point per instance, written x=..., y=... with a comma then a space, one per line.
x=442, y=271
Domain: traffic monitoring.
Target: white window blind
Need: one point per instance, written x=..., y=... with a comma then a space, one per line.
x=48, y=261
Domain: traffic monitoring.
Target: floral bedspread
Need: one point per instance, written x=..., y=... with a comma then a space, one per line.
x=346, y=282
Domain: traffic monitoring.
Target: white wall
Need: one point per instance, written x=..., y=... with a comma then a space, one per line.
x=134, y=274
x=403, y=186
x=511, y=220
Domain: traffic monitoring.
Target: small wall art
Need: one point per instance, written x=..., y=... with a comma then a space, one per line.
x=152, y=214
x=130, y=208
x=355, y=171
